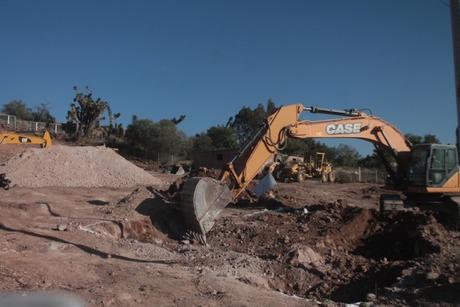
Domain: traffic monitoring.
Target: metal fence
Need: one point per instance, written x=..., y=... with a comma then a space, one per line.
x=359, y=174
x=10, y=122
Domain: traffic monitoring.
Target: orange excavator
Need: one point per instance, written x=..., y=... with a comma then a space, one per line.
x=427, y=172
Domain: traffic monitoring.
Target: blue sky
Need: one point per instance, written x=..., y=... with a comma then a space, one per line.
x=207, y=59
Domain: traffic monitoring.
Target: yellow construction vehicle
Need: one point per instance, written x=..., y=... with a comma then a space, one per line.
x=292, y=169
x=20, y=138
x=318, y=167
x=270, y=168
x=428, y=172
x=295, y=169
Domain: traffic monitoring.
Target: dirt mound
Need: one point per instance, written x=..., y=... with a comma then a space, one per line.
x=74, y=166
x=153, y=216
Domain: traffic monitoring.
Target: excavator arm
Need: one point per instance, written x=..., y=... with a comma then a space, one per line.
x=204, y=198
x=270, y=139
x=285, y=123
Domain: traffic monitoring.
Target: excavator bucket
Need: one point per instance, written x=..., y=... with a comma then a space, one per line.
x=202, y=200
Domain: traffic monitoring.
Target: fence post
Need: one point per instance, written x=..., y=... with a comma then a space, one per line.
x=376, y=175
x=359, y=173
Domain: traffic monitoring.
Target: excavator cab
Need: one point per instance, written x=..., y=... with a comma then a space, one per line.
x=433, y=166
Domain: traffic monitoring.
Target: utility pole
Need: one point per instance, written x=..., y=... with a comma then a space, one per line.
x=455, y=22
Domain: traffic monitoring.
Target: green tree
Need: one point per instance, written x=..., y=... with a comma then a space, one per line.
x=248, y=121
x=430, y=139
x=297, y=147
x=374, y=161
x=414, y=139
x=215, y=138
x=308, y=148
x=271, y=106
x=19, y=109
x=119, y=130
x=42, y=114
x=156, y=139
x=346, y=155
x=139, y=135
x=222, y=137
x=202, y=142
x=426, y=139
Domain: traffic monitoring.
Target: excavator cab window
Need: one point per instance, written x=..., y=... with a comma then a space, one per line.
x=418, y=165
x=437, y=172
x=451, y=159
x=432, y=164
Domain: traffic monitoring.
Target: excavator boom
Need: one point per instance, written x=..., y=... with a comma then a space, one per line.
x=203, y=199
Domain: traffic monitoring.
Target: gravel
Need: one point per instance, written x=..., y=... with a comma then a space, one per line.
x=74, y=166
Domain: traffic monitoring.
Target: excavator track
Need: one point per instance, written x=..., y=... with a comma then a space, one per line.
x=202, y=200
x=456, y=209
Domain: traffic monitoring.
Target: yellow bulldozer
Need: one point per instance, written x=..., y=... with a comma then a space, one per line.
x=8, y=137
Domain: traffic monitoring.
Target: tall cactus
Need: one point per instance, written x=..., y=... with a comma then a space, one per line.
x=86, y=113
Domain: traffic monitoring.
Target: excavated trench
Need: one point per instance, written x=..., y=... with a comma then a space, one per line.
x=372, y=282
x=308, y=248
x=321, y=250
x=398, y=236
x=343, y=253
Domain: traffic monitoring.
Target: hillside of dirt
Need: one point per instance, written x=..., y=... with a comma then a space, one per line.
x=74, y=166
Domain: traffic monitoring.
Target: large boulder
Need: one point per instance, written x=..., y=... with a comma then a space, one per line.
x=301, y=255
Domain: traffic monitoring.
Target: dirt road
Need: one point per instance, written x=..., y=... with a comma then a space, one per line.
x=64, y=239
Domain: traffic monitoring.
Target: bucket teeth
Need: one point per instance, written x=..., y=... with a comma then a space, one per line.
x=196, y=237
x=202, y=200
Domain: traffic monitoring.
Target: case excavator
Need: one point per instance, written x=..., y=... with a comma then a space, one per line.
x=426, y=172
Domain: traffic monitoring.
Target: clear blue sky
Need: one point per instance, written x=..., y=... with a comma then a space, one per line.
x=206, y=59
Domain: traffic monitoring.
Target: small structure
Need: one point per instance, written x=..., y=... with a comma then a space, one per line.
x=214, y=158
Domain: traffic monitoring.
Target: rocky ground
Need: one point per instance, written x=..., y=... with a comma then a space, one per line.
x=313, y=244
